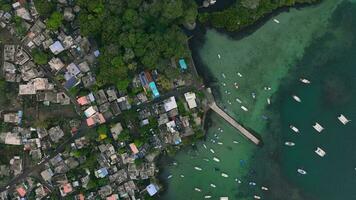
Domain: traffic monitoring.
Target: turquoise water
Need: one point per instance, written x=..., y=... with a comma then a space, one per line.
x=317, y=43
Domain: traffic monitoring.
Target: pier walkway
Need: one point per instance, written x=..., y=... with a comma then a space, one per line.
x=231, y=120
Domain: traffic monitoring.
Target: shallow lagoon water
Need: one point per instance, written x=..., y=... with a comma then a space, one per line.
x=316, y=43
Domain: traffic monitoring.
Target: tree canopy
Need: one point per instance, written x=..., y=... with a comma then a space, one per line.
x=135, y=34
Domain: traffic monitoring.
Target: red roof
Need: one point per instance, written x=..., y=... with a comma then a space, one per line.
x=134, y=148
x=67, y=188
x=101, y=118
x=83, y=101
x=21, y=191
x=90, y=121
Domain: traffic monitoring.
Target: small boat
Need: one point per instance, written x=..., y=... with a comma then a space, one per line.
x=212, y=185
x=216, y=159
x=182, y=175
x=268, y=101
x=207, y=197
x=221, y=130
x=229, y=102
x=296, y=98
x=256, y=197
x=238, y=181
x=212, y=151
x=223, y=75
x=219, y=56
x=207, y=160
x=175, y=163
x=343, y=119
x=253, y=95
x=197, y=189
x=197, y=168
x=276, y=20
x=301, y=171
x=264, y=188
x=295, y=129
x=236, y=86
x=289, y=144
x=303, y=80
x=238, y=100
x=220, y=143
x=170, y=176
x=224, y=175
x=244, y=108
x=204, y=146
x=224, y=84
x=239, y=74
x=235, y=142
x=318, y=127
x=320, y=152
x=252, y=183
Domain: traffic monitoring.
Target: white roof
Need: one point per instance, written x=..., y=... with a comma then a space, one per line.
x=171, y=125
x=151, y=189
x=56, y=47
x=170, y=104
x=190, y=98
x=27, y=89
x=56, y=64
x=12, y=139
x=89, y=111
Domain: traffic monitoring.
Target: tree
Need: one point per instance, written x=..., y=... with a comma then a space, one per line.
x=55, y=21
x=40, y=57
x=45, y=7
x=164, y=82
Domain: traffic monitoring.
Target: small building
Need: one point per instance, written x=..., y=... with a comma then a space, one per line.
x=101, y=173
x=190, y=98
x=21, y=191
x=55, y=133
x=170, y=103
x=116, y=130
x=56, y=64
x=90, y=111
x=65, y=189
x=182, y=64
x=56, y=48
x=72, y=70
x=134, y=148
x=152, y=189
x=47, y=174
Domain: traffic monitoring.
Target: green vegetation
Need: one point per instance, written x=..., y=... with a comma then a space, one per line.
x=45, y=7
x=135, y=35
x=244, y=13
x=55, y=21
x=19, y=27
x=40, y=57
x=5, y=5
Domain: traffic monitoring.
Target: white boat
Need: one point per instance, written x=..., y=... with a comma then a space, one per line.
x=252, y=183
x=239, y=74
x=212, y=151
x=276, y=20
x=296, y=98
x=343, y=119
x=207, y=160
x=238, y=100
x=253, y=95
x=224, y=175
x=295, y=129
x=244, y=108
x=197, y=189
x=236, y=86
x=204, y=146
x=224, y=84
x=229, y=102
x=238, y=181
x=197, y=168
x=318, y=127
x=212, y=185
x=320, y=152
x=223, y=75
x=264, y=188
x=170, y=176
x=182, y=175
x=301, y=171
x=207, y=197
x=219, y=56
x=235, y=142
x=303, y=80
x=256, y=197
x=220, y=143
x=268, y=101
x=289, y=144
x=216, y=159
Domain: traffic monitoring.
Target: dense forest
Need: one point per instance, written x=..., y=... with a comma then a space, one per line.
x=245, y=12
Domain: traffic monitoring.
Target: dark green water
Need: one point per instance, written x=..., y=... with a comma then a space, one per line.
x=317, y=43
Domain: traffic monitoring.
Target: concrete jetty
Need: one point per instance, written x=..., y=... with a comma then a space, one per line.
x=230, y=120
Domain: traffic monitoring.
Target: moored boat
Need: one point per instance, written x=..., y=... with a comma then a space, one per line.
x=219, y=56
x=303, y=80
x=318, y=127
x=295, y=129
x=216, y=159
x=244, y=108
x=343, y=119
x=207, y=196
x=264, y=188
x=224, y=175
x=296, y=98
x=301, y=171
x=268, y=101
x=290, y=144
x=212, y=151
x=276, y=20
x=212, y=185
x=256, y=197
x=197, y=189
x=320, y=152
x=197, y=168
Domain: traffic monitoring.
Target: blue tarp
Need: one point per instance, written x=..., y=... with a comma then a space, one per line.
x=182, y=64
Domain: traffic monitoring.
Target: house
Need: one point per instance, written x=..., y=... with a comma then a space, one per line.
x=116, y=130
x=88, y=80
x=90, y=111
x=65, y=189
x=84, y=67
x=47, y=175
x=83, y=100
x=71, y=82
x=27, y=89
x=190, y=98
x=14, y=118
x=16, y=165
x=182, y=64
x=55, y=133
x=56, y=48
x=97, y=118
x=101, y=173
x=111, y=94
x=21, y=191
x=101, y=97
x=133, y=148
x=170, y=103
x=152, y=189
x=124, y=103
x=10, y=138
x=72, y=70
x=56, y=64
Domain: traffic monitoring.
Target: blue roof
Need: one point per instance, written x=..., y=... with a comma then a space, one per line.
x=151, y=189
x=70, y=83
x=182, y=64
x=143, y=79
x=154, y=89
